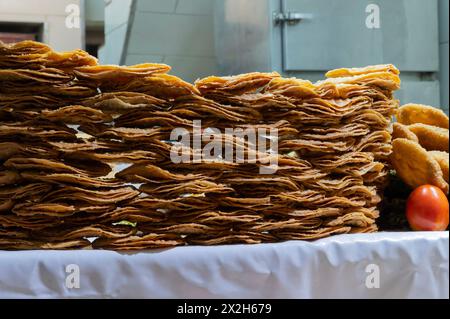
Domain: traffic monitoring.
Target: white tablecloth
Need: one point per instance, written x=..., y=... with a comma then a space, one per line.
x=381, y=265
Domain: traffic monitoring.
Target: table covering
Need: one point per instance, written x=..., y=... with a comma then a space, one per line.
x=379, y=265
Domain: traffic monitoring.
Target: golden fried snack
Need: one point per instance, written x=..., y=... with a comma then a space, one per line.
x=432, y=138
x=69, y=59
x=9, y=177
x=100, y=197
x=85, y=151
x=23, y=47
x=345, y=72
x=238, y=84
x=74, y=233
x=313, y=234
x=65, y=178
x=27, y=77
x=163, y=86
x=76, y=114
x=23, y=244
x=122, y=102
x=419, y=113
x=31, y=54
x=443, y=160
x=292, y=87
x=381, y=79
x=415, y=165
x=48, y=209
x=62, y=94
x=99, y=73
x=91, y=169
x=402, y=131
x=139, y=242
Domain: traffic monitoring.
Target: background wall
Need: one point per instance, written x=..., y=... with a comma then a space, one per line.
x=51, y=14
x=180, y=33
x=117, y=15
x=177, y=32
x=94, y=13
x=444, y=52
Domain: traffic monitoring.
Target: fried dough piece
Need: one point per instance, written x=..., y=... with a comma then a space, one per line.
x=20, y=193
x=42, y=76
x=93, y=197
x=77, y=114
x=357, y=219
x=175, y=189
x=152, y=173
x=184, y=204
x=443, y=159
x=122, y=102
x=69, y=59
x=113, y=158
x=101, y=73
x=345, y=91
x=30, y=131
x=23, y=244
x=136, y=242
x=195, y=107
x=235, y=85
x=9, y=177
x=73, y=179
x=418, y=113
x=288, y=225
x=13, y=232
x=73, y=233
x=35, y=55
x=29, y=222
x=432, y=138
x=217, y=218
x=364, y=230
x=163, y=86
x=16, y=101
x=312, y=234
x=230, y=238
x=92, y=168
x=6, y=205
x=48, y=209
x=12, y=116
x=23, y=47
x=346, y=72
x=383, y=80
x=150, y=118
x=181, y=228
x=309, y=145
x=88, y=145
x=292, y=87
x=64, y=92
x=402, y=131
x=415, y=166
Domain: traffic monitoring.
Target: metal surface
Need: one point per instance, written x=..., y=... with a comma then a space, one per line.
x=290, y=18
x=331, y=34
x=338, y=35
x=244, y=36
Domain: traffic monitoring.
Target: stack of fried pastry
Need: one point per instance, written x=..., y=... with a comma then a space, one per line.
x=85, y=153
x=421, y=145
x=334, y=144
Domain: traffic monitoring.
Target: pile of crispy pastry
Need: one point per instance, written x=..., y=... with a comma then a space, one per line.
x=421, y=145
x=85, y=154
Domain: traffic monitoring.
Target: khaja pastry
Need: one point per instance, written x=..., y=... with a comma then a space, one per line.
x=85, y=153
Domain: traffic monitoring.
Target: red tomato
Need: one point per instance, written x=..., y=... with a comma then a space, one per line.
x=427, y=209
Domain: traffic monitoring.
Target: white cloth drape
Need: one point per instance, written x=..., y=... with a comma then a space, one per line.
x=401, y=265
